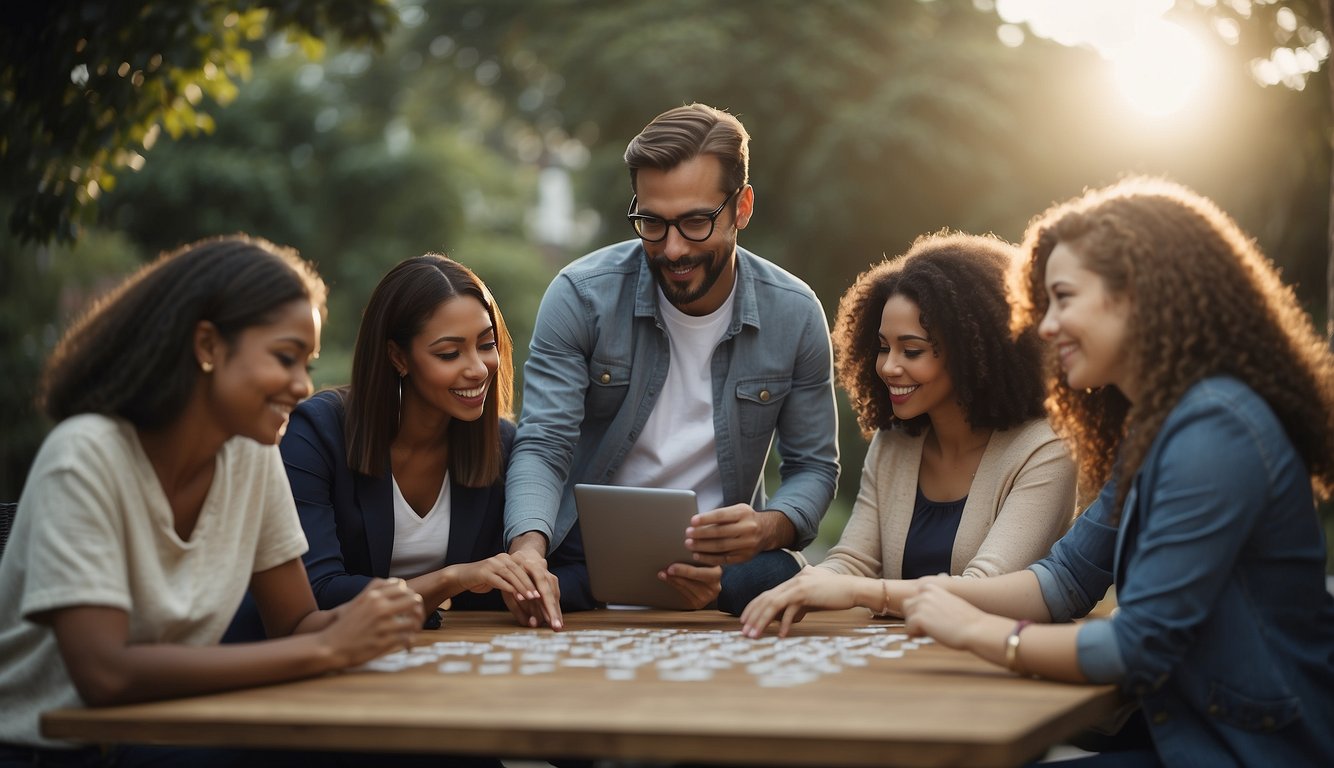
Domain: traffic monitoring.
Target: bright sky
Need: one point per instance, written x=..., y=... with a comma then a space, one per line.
x=1158, y=66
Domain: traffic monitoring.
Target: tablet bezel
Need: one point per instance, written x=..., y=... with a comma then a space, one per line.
x=630, y=534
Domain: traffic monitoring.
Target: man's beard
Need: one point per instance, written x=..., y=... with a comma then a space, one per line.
x=680, y=295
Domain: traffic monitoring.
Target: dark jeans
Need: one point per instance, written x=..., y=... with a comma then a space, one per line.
x=137, y=756
x=170, y=757
x=14, y=756
x=1130, y=758
x=745, y=581
x=1130, y=747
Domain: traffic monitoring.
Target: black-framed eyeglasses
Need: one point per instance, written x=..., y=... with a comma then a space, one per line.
x=697, y=227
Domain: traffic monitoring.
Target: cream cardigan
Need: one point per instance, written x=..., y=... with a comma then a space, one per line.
x=1021, y=501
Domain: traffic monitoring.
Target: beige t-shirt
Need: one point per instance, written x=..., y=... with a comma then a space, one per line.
x=94, y=528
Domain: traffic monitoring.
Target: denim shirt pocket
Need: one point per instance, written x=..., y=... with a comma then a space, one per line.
x=608, y=384
x=1248, y=713
x=759, y=401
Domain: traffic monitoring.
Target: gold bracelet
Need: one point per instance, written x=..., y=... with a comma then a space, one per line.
x=884, y=602
x=1012, y=646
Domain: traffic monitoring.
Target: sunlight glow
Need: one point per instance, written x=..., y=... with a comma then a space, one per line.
x=1160, y=69
x=1158, y=66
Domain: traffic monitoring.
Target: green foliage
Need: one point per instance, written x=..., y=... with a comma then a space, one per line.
x=87, y=87
x=356, y=167
x=41, y=289
x=854, y=107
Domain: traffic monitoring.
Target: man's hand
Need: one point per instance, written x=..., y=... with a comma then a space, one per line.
x=528, y=551
x=700, y=585
x=735, y=534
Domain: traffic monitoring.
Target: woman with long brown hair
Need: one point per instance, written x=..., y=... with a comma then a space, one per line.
x=401, y=473
x=1199, y=396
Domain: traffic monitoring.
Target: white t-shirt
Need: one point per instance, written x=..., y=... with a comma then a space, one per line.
x=420, y=542
x=678, y=447
x=94, y=528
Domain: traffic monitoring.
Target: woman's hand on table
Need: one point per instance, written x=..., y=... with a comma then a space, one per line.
x=812, y=588
x=937, y=613
x=502, y=572
x=384, y=617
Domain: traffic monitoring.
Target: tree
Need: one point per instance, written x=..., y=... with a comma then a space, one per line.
x=350, y=161
x=1280, y=44
x=855, y=108
x=40, y=288
x=1328, y=7
x=86, y=86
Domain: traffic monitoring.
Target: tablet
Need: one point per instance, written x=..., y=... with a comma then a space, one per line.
x=629, y=535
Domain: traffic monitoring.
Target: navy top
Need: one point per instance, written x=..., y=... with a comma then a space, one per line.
x=930, y=543
x=348, y=520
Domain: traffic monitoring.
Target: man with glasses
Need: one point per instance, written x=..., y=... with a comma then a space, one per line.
x=674, y=360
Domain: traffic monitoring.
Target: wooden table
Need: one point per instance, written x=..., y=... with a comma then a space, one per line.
x=932, y=707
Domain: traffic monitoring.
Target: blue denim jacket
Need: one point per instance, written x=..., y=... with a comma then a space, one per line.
x=1224, y=631
x=598, y=360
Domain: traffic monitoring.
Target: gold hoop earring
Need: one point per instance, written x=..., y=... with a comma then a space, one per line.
x=400, y=397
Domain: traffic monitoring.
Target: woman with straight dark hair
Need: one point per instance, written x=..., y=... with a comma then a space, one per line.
x=401, y=473
x=964, y=475
x=160, y=496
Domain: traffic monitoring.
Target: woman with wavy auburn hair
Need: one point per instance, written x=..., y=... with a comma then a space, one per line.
x=1199, y=396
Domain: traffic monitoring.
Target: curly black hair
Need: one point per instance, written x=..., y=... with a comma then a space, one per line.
x=958, y=282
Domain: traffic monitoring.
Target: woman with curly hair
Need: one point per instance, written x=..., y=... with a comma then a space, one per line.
x=964, y=474
x=160, y=496
x=1199, y=395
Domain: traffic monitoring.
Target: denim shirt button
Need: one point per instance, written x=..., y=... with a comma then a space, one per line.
x=764, y=395
x=605, y=378
x=1267, y=722
x=1215, y=710
x=1159, y=718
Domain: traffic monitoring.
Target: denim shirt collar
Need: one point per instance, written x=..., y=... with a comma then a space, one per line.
x=745, y=310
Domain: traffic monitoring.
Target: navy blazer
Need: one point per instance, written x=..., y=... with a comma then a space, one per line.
x=349, y=521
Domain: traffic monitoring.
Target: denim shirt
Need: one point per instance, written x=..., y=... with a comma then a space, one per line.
x=1224, y=630
x=597, y=363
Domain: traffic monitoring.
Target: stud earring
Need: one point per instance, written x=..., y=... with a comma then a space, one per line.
x=206, y=366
